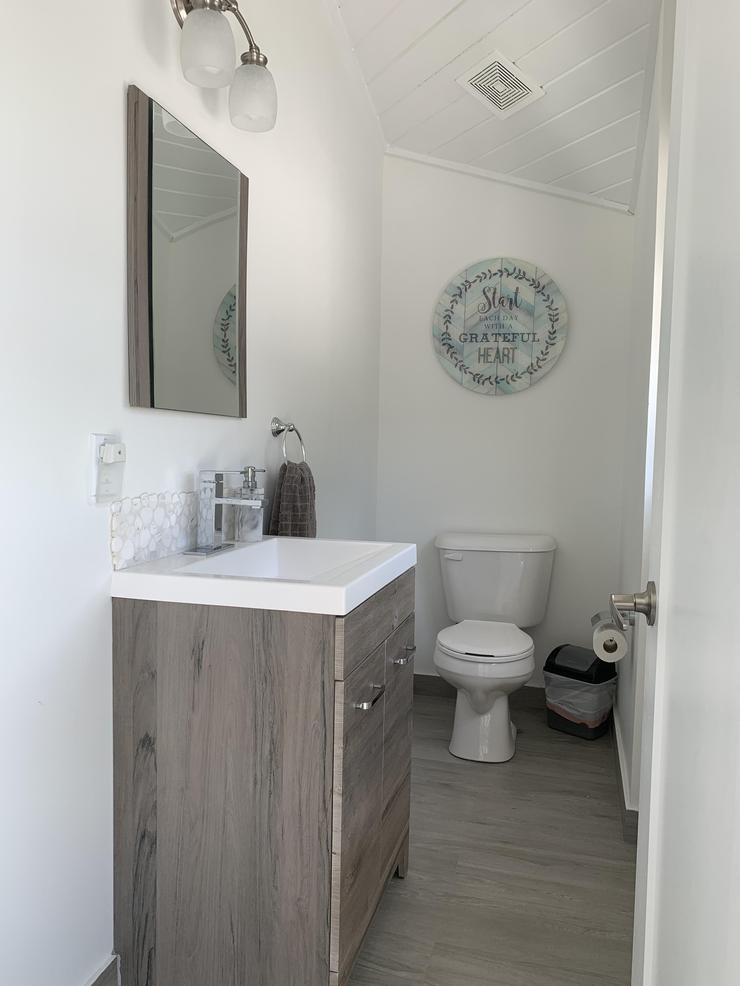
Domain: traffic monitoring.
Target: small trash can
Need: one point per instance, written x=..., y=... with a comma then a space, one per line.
x=579, y=691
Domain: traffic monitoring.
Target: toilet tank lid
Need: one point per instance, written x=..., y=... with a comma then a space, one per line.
x=496, y=542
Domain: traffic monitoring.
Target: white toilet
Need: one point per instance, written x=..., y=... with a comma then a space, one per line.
x=494, y=584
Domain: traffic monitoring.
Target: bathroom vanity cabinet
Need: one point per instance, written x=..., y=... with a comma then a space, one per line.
x=262, y=784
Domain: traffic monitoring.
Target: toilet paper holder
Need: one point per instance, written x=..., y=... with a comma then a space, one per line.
x=624, y=607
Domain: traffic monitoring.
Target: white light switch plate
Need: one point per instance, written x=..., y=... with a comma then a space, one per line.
x=106, y=479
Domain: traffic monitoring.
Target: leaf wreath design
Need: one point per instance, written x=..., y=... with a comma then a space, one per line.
x=225, y=327
x=516, y=273
x=224, y=337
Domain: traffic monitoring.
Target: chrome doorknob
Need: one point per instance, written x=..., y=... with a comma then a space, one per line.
x=625, y=607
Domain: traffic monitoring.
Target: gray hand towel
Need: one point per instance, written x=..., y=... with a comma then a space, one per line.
x=294, y=505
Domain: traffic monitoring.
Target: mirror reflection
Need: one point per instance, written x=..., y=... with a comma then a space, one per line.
x=190, y=356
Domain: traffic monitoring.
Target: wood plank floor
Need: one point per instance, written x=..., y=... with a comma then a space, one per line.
x=519, y=874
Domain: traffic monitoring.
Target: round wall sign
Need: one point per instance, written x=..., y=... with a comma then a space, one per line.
x=500, y=326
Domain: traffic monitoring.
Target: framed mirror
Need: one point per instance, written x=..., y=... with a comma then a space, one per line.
x=187, y=258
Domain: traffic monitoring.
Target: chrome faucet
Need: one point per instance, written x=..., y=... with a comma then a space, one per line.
x=231, y=507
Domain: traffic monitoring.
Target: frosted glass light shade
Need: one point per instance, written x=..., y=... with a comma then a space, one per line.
x=207, y=49
x=253, y=99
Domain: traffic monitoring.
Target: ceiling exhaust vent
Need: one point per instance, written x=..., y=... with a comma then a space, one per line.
x=500, y=85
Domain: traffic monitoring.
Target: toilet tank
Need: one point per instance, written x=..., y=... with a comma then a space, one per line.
x=502, y=577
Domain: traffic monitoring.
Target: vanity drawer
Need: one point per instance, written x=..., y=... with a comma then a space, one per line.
x=362, y=630
x=357, y=807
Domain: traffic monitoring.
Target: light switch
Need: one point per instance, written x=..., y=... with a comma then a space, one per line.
x=111, y=452
x=107, y=460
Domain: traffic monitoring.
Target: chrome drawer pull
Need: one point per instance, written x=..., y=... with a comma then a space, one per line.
x=366, y=706
x=403, y=661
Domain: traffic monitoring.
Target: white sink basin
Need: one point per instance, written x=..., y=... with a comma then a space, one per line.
x=288, y=559
x=292, y=574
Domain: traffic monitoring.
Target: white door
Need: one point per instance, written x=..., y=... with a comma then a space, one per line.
x=687, y=925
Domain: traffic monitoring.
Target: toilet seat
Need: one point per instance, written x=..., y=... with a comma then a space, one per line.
x=485, y=642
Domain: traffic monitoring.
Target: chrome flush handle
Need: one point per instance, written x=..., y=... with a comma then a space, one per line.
x=378, y=693
x=624, y=608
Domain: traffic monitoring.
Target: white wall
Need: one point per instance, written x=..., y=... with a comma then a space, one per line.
x=548, y=459
x=313, y=352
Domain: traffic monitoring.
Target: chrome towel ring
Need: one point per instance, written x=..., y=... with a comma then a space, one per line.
x=284, y=428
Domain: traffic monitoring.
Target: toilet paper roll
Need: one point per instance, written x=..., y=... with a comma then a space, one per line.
x=610, y=643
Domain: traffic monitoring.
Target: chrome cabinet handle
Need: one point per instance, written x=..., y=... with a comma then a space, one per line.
x=379, y=692
x=401, y=662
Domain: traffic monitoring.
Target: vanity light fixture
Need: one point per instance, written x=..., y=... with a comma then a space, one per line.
x=208, y=54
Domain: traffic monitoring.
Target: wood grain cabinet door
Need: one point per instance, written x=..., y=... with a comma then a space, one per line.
x=397, y=733
x=223, y=773
x=367, y=626
x=358, y=807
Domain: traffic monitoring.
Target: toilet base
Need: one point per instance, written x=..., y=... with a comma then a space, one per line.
x=487, y=738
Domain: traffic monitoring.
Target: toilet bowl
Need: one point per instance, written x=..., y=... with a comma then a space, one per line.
x=485, y=661
x=494, y=584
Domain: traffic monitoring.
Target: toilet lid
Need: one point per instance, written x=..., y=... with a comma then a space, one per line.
x=481, y=640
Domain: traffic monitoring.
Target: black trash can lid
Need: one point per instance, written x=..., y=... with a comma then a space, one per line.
x=579, y=663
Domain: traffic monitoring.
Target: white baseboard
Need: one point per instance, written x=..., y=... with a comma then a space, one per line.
x=506, y=179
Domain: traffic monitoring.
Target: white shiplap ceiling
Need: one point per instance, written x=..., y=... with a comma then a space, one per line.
x=594, y=59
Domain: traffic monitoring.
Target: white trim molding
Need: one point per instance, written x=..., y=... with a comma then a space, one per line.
x=532, y=186
x=647, y=96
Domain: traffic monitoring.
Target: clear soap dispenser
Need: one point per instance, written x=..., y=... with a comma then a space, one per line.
x=249, y=519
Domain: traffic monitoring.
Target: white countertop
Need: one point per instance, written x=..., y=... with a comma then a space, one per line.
x=296, y=575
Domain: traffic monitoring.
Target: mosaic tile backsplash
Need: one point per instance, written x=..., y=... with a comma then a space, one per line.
x=153, y=525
